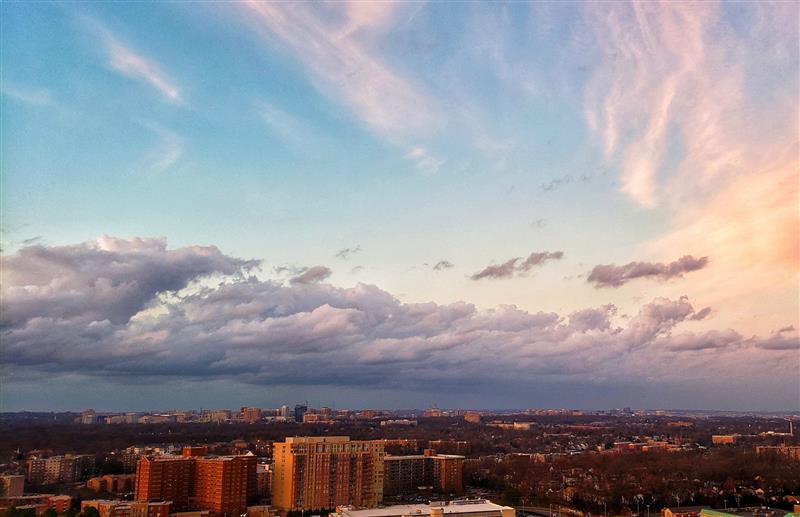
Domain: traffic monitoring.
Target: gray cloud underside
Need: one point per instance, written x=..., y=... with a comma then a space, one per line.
x=610, y=275
x=312, y=275
x=79, y=309
x=517, y=266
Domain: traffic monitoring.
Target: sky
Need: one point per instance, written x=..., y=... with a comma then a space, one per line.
x=399, y=205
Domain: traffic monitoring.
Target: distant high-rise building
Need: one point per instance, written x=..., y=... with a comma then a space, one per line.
x=251, y=414
x=88, y=417
x=472, y=417
x=299, y=412
x=284, y=412
x=34, y=470
x=326, y=472
x=195, y=450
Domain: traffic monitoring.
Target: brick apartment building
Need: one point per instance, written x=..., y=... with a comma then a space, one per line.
x=38, y=503
x=223, y=485
x=404, y=474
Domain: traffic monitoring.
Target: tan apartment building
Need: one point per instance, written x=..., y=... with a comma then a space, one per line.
x=326, y=472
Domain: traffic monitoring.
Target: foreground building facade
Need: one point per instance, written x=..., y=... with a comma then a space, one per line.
x=223, y=485
x=325, y=472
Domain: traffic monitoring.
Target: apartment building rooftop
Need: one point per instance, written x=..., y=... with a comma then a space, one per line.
x=459, y=507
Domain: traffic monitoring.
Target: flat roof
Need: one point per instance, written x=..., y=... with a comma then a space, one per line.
x=425, y=509
x=317, y=439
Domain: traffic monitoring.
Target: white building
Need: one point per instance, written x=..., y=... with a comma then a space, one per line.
x=458, y=508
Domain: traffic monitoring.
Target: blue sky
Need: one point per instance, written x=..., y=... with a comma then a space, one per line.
x=621, y=135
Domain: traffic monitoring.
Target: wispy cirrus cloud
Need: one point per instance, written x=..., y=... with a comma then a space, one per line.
x=425, y=162
x=669, y=101
x=517, y=266
x=674, y=105
x=29, y=95
x=126, y=61
x=338, y=46
x=610, y=275
x=165, y=154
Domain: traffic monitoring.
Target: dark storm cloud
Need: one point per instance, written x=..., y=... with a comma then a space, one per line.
x=312, y=275
x=258, y=332
x=610, y=275
x=108, y=279
x=442, y=264
x=517, y=266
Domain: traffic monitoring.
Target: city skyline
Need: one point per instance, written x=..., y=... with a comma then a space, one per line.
x=400, y=205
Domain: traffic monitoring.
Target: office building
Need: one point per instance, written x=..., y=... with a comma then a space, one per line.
x=326, y=472
x=299, y=411
x=251, y=415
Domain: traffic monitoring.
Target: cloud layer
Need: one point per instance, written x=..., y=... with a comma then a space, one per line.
x=517, y=266
x=609, y=275
x=97, y=309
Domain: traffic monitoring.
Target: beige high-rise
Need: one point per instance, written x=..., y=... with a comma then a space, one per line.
x=325, y=472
